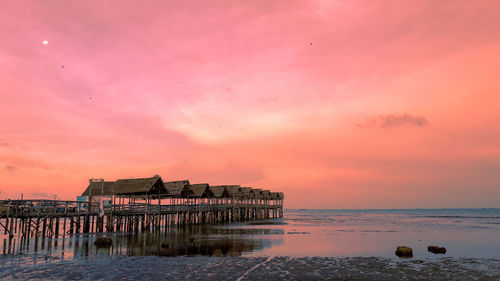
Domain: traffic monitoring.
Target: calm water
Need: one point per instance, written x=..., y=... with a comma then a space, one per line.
x=302, y=233
x=464, y=232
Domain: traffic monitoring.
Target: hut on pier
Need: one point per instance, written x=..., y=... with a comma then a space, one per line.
x=131, y=189
x=232, y=192
x=174, y=188
x=217, y=192
x=196, y=191
x=245, y=192
x=281, y=196
x=274, y=197
x=126, y=187
x=264, y=195
x=255, y=193
x=152, y=187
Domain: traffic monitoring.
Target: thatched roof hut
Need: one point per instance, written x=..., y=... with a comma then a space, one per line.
x=273, y=195
x=141, y=186
x=276, y=195
x=265, y=194
x=232, y=190
x=255, y=192
x=181, y=188
x=174, y=188
x=281, y=195
x=195, y=190
x=217, y=191
x=138, y=186
x=245, y=192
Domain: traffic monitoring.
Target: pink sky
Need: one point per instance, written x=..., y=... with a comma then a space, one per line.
x=339, y=104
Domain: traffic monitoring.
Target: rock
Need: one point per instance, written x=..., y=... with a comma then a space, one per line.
x=405, y=252
x=103, y=242
x=164, y=244
x=436, y=249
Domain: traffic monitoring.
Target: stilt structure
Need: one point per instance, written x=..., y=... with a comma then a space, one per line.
x=136, y=205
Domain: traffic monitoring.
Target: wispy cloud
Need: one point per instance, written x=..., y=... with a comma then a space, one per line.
x=394, y=120
x=11, y=168
x=21, y=161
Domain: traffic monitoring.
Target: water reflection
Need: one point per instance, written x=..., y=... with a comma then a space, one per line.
x=301, y=233
x=183, y=241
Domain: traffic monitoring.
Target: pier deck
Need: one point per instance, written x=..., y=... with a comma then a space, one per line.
x=52, y=218
x=141, y=204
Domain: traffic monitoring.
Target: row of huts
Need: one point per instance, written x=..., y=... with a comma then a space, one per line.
x=179, y=192
x=141, y=204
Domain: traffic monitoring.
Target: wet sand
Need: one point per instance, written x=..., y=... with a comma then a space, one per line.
x=246, y=268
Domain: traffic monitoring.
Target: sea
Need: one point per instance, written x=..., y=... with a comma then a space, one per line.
x=307, y=244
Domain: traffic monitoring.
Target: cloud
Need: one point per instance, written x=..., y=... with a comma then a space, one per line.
x=4, y=143
x=23, y=162
x=394, y=121
x=11, y=168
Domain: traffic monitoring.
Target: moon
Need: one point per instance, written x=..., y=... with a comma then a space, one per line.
x=45, y=42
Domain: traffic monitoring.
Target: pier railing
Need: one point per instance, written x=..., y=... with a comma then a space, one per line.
x=34, y=208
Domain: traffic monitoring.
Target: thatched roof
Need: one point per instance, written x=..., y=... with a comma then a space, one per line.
x=155, y=186
x=255, y=192
x=265, y=194
x=98, y=188
x=152, y=185
x=232, y=190
x=217, y=190
x=245, y=191
x=139, y=186
x=281, y=195
x=276, y=195
x=273, y=195
x=174, y=188
x=195, y=190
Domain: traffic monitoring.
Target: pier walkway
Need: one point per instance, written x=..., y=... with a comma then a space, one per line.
x=161, y=205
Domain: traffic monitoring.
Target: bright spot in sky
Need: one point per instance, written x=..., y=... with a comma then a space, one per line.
x=45, y=42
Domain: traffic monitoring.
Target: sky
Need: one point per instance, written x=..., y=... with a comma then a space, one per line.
x=337, y=103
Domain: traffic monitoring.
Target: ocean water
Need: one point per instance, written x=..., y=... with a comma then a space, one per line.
x=377, y=233
x=304, y=245
x=301, y=233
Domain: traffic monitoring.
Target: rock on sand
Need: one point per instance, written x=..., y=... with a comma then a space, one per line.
x=403, y=251
x=436, y=249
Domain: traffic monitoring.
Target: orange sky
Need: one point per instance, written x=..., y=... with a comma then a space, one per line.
x=339, y=104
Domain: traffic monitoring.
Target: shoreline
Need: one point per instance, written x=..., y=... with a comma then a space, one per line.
x=303, y=246
x=246, y=268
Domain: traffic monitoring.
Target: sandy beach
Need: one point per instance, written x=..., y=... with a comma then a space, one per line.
x=242, y=268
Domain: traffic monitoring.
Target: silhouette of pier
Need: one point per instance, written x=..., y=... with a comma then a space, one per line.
x=138, y=205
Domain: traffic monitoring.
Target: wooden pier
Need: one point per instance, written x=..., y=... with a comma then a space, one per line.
x=138, y=205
